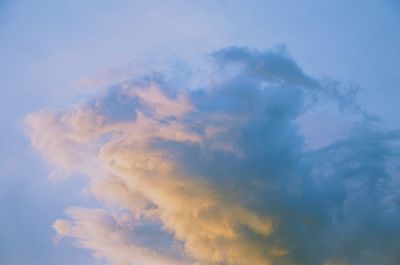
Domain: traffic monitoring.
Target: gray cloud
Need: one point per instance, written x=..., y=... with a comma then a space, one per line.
x=226, y=170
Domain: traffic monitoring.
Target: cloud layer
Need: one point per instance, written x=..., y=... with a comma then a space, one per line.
x=226, y=172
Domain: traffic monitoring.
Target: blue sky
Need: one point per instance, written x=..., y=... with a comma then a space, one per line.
x=55, y=54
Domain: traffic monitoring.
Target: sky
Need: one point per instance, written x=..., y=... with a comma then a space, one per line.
x=199, y=132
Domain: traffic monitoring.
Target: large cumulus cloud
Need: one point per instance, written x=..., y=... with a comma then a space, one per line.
x=226, y=172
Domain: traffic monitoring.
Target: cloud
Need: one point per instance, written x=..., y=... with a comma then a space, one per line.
x=107, y=236
x=227, y=173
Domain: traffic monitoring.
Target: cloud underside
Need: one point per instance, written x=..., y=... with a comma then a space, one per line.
x=227, y=173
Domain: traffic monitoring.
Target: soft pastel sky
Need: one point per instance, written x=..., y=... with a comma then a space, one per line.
x=226, y=66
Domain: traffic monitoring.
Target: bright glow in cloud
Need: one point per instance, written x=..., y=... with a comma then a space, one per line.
x=224, y=172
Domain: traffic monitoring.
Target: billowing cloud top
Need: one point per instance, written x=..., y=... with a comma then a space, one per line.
x=228, y=172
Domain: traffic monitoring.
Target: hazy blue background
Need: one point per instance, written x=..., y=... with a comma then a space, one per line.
x=48, y=47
